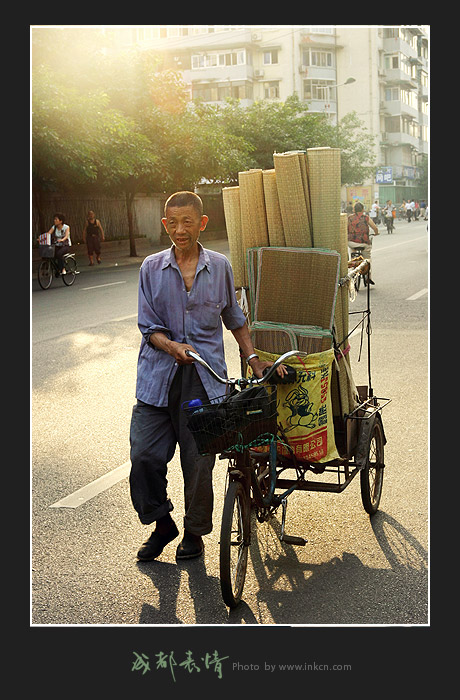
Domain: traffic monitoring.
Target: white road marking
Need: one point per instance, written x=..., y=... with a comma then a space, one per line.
x=97, y=286
x=395, y=245
x=94, y=487
x=417, y=294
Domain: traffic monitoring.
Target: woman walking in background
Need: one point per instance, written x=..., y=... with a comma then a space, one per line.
x=93, y=234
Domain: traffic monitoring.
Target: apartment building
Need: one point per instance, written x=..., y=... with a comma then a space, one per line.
x=380, y=72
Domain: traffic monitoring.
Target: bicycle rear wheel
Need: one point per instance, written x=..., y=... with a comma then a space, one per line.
x=71, y=271
x=234, y=543
x=45, y=274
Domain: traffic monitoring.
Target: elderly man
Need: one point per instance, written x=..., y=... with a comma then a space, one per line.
x=185, y=293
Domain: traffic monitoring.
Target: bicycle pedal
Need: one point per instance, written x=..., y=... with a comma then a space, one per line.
x=292, y=539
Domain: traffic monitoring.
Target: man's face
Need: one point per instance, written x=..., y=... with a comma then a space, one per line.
x=183, y=225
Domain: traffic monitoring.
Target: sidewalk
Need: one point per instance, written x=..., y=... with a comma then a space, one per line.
x=116, y=253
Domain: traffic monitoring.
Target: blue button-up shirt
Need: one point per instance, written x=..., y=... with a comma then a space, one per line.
x=194, y=318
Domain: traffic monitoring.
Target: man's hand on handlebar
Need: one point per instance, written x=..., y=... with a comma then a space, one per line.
x=177, y=350
x=258, y=367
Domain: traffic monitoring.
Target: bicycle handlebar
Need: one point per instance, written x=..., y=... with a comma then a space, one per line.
x=261, y=380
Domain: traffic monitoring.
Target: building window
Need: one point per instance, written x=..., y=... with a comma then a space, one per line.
x=315, y=29
x=392, y=61
x=318, y=90
x=207, y=93
x=393, y=124
x=217, y=93
x=391, y=94
x=321, y=59
x=270, y=57
x=271, y=90
x=216, y=58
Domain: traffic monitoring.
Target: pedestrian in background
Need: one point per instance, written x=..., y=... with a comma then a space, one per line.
x=410, y=206
x=93, y=234
x=374, y=213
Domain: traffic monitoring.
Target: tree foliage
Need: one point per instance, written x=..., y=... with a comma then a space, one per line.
x=113, y=120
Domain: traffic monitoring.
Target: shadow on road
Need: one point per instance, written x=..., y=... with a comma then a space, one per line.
x=288, y=591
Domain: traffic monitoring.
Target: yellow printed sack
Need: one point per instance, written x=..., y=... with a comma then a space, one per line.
x=305, y=407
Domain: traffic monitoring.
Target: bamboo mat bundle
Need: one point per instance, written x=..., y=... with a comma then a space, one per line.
x=313, y=340
x=292, y=199
x=272, y=207
x=324, y=179
x=232, y=212
x=330, y=231
x=273, y=338
x=296, y=286
x=302, y=156
x=289, y=246
x=252, y=202
x=278, y=338
x=252, y=259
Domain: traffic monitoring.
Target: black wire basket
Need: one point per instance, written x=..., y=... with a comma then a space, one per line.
x=233, y=421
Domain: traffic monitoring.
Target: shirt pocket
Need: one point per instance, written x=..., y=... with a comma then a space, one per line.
x=210, y=312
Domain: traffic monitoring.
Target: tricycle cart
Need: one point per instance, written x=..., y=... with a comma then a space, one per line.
x=238, y=424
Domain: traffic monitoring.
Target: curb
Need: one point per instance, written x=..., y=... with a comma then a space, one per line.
x=116, y=253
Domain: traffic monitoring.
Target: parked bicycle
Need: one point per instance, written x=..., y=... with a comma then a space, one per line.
x=49, y=267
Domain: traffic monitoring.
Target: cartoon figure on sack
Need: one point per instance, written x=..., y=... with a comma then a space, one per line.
x=300, y=406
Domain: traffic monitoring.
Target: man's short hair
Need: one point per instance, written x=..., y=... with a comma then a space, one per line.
x=185, y=199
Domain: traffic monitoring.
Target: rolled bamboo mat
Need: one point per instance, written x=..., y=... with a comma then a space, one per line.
x=232, y=212
x=313, y=341
x=293, y=204
x=272, y=207
x=282, y=337
x=272, y=338
x=324, y=179
x=297, y=286
x=253, y=216
x=252, y=261
x=302, y=156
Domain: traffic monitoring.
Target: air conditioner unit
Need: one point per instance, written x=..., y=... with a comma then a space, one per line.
x=256, y=37
x=259, y=73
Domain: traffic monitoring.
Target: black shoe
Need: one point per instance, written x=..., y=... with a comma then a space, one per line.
x=190, y=547
x=371, y=281
x=155, y=544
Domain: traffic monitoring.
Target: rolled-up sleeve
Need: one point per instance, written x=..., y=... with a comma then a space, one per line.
x=148, y=320
x=232, y=315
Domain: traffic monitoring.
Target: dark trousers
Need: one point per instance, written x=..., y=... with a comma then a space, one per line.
x=59, y=252
x=93, y=245
x=154, y=435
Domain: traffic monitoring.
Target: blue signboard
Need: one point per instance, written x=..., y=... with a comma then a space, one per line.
x=384, y=176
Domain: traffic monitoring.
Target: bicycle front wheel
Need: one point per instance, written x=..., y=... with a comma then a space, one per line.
x=45, y=274
x=71, y=271
x=234, y=543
